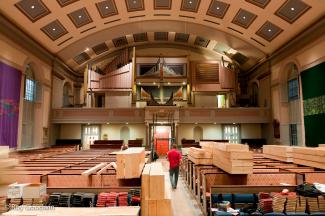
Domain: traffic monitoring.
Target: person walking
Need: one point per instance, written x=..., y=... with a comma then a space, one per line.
x=174, y=157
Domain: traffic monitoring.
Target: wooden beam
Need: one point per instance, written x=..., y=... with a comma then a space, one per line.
x=93, y=169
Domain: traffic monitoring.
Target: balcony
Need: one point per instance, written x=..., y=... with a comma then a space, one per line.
x=181, y=115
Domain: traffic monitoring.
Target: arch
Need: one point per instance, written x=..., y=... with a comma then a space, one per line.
x=125, y=133
x=197, y=133
x=67, y=95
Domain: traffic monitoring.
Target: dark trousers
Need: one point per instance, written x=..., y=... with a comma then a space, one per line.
x=173, y=175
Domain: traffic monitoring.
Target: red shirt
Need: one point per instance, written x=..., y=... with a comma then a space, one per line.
x=174, y=158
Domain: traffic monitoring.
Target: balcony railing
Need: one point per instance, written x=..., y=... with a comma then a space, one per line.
x=181, y=115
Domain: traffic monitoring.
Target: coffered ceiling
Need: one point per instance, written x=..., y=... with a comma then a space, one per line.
x=81, y=31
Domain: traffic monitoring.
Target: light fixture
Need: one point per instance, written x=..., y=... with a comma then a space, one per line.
x=184, y=83
x=88, y=123
x=215, y=123
x=269, y=30
x=190, y=2
x=127, y=123
x=107, y=123
x=244, y=17
x=234, y=123
x=106, y=7
x=168, y=83
x=195, y=123
x=79, y=16
x=139, y=83
x=134, y=2
x=53, y=29
x=87, y=49
x=32, y=7
x=154, y=83
x=218, y=8
x=292, y=8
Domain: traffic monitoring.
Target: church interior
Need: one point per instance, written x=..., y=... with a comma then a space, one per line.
x=95, y=94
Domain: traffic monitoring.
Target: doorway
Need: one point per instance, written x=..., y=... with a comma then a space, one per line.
x=161, y=135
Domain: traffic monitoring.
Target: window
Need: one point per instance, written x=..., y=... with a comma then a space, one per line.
x=30, y=90
x=231, y=133
x=293, y=89
x=293, y=135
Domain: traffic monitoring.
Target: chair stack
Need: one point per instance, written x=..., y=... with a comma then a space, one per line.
x=155, y=195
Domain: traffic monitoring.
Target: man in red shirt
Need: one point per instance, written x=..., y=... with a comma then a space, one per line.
x=174, y=158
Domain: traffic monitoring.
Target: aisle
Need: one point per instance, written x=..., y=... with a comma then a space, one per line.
x=183, y=203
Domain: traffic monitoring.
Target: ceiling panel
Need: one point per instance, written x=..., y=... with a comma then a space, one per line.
x=33, y=9
x=106, y=8
x=259, y=3
x=244, y=18
x=140, y=37
x=218, y=9
x=80, y=17
x=54, y=30
x=190, y=5
x=291, y=10
x=134, y=5
x=120, y=41
x=161, y=36
x=64, y=3
x=162, y=4
x=81, y=58
x=181, y=37
x=201, y=41
x=100, y=48
x=269, y=31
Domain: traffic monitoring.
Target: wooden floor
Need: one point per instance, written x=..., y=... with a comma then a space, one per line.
x=183, y=202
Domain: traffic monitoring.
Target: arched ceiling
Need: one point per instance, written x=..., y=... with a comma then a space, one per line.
x=81, y=31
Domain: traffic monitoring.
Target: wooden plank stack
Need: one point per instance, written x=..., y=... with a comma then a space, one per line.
x=278, y=152
x=130, y=163
x=232, y=158
x=6, y=163
x=200, y=156
x=155, y=195
x=313, y=157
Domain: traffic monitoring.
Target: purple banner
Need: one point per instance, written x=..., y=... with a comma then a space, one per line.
x=10, y=80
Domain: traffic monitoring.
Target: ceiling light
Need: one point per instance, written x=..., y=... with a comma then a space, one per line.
x=139, y=83
x=134, y=2
x=107, y=123
x=168, y=83
x=106, y=7
x=292, y=9
x=32, y=7
x=184, y=83
x=218, y=8
x=53, y=29
x=214, y=122
x=154, y=83
x=127, y=123
x=195, y=123
x=244, y=17
x=79, y=16
x=233, y=123
x=269, y=30
x=190, y=2
x=87, y=49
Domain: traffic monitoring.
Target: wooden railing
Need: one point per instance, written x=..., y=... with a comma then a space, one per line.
x=181, y=115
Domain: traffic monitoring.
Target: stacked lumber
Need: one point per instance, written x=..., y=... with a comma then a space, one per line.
x=313, y=157
x=278, y=152
x=232, y=158
x=6, y=163
x=130, y=163
x=155, y=195
x=200, y=156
